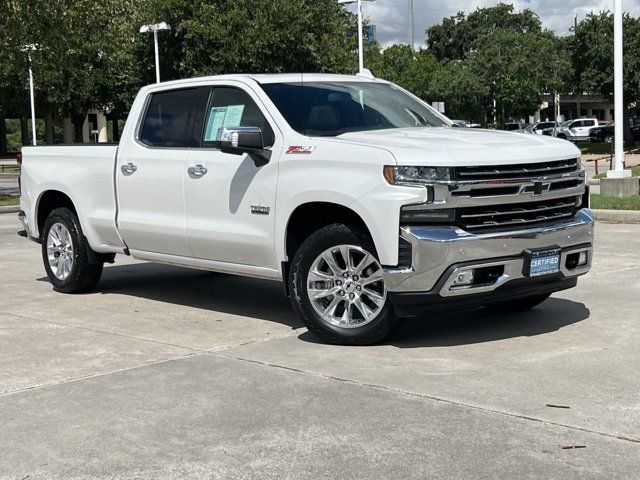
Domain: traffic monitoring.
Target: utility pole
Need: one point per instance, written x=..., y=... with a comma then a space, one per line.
x=619, y=171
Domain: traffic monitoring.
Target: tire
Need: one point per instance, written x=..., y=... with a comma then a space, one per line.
x=562, y=136
x=520, y=305
x=362, y=294
x=78, y=268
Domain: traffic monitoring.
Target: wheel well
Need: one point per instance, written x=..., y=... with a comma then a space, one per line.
x=49, y=201
x=310, y=217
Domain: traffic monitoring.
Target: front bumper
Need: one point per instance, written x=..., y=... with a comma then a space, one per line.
x=441, y=253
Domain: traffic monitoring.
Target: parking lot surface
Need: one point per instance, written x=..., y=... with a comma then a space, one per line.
x=165, y=372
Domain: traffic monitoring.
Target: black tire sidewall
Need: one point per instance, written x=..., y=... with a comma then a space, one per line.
x=84, y=273
x=323, y=239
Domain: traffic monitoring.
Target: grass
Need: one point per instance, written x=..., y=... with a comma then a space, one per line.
x=9, y=200
x=635, y=172
x=590, y=148
x=9, y=169
x=601, y=202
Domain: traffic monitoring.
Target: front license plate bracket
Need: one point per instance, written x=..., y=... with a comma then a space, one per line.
x=539, y=262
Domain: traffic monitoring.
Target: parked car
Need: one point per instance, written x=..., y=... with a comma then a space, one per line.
x=538, y=128
x=602, y=133
x=512, y=126
x=356, y=195
x=555, y=127
x=459, y=123
x=635, y=128
x=574, y=130
x=607, y=133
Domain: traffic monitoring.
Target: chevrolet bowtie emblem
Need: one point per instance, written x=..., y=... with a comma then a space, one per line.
x=537, y=188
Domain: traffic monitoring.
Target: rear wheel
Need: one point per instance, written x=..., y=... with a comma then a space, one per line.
x=520, y=305
x=338, y=289
x=70, y=263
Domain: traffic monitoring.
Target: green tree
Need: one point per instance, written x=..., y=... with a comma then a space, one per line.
x=402, y=65
x=458, y=35
x=592, y=58
x=500, y=55
x=242, y=36
x=465, y=95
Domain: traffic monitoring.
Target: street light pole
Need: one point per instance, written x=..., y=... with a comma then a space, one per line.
x=360, y=40
x=30, y=48
x=33, y=103
x=618, y=72
x=157, y=55
x=155, y=28
x=360, y=44
x=411, y=29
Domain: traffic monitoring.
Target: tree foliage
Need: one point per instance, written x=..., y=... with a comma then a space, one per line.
x=489, y=55
x=92, y=55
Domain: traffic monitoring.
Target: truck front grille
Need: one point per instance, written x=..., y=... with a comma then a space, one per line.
x=531, y=170
x=510, y=216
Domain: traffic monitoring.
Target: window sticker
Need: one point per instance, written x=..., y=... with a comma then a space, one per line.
x=219, y=117
x=234, y=116
x=215, y=122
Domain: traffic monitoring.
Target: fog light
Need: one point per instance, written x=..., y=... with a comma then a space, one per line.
x=583, y=258
x=463, y=278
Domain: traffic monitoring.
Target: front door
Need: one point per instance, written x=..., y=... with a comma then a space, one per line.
x=229, y=199
x=150, y=174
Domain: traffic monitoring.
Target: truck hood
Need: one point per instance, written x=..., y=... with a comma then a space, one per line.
x=450, y=147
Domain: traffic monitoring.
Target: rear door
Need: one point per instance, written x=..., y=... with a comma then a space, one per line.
x=150, y=173
x=585, y=127
x=230, y=200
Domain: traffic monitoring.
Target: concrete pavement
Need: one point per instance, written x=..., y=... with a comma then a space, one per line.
x=167, y=373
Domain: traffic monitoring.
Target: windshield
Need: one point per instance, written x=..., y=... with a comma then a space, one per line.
x=334, y=108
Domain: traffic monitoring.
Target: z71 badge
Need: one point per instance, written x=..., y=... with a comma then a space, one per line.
x=300, y=149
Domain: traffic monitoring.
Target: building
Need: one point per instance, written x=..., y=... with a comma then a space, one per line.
x=574, y=106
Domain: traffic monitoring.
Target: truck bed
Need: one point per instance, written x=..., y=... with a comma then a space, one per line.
x=84, y=173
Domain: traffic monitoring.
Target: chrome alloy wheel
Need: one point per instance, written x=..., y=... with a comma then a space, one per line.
x=60, y=251
x=345, y=286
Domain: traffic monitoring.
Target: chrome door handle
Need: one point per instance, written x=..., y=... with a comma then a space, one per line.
x=197, y=171
x=128, y=168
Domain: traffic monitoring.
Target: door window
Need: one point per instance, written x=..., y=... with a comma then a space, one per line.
x=589, y=123
x=171, y=119
x=233, y=107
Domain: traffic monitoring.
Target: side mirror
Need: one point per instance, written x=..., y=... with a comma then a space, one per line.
x=239, y=140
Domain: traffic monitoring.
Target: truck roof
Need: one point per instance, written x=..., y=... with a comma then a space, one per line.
x=276, y=78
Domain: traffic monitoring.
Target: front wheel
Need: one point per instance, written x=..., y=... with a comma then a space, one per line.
x=337, y=287
x=70, y=263
x=519, y=305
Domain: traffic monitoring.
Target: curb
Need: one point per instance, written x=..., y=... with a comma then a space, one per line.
x=10, y=209
x=618, y=216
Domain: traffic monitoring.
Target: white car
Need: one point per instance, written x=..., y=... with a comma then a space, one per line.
x=356, y=195
x=574, y=130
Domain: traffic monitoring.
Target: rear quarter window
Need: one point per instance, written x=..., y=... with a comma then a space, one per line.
x=172, y=117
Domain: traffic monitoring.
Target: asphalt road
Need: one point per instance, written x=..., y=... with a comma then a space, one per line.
x=9, y=183
x=170, y=373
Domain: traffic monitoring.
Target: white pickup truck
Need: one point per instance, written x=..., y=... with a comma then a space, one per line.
x=364, y=201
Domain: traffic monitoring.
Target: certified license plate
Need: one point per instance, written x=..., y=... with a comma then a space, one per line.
x=544, y=262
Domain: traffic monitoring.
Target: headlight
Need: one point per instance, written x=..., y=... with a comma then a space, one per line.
x=409, y=175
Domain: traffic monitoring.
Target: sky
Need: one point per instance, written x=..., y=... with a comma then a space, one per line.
x=392, y=24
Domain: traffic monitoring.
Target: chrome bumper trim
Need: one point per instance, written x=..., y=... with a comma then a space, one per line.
x=436, y=249
x=25, y=223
